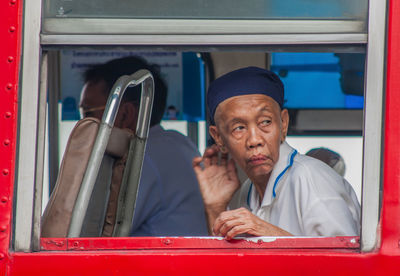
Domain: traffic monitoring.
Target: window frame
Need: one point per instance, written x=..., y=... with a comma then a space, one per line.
x=176, y=243
x=32, y=121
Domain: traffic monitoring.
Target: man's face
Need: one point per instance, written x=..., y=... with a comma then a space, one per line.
x=93, y=102
x=251, y=128
x=93, y=99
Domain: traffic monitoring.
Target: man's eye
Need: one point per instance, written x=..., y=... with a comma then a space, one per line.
x=238, y=128
x=265, y=122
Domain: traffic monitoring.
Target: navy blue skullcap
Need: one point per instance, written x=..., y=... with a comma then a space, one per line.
x=245, y=81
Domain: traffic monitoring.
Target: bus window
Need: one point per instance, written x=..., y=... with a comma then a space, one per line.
x=340, y=113
x=314, y=88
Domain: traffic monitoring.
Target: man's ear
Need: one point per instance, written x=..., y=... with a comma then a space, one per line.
x=285, y=124
x=215, y=134
x=127, y=116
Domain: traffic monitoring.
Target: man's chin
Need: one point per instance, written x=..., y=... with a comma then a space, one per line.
x=259, y=172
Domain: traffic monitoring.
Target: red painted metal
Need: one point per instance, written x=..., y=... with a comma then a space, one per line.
x=10, y=33
x=82, y=244
x=206, y=262
x=391, y=162
x=56, y=244
x=172, y=256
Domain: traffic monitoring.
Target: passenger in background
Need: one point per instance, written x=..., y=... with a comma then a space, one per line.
x=329, y=157
x=169, y=201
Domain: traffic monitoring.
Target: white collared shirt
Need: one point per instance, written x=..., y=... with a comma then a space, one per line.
x=305, y=197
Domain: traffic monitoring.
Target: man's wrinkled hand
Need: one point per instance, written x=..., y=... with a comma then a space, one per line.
x=217, y=178
x=241, y=221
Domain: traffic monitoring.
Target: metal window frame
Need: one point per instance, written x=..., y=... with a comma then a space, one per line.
x=30, y=160
x=28, y=128
x=103, y=26
x=373, y=121
x=182, y=40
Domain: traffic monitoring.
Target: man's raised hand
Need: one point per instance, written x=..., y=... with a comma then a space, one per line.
x=218, y=181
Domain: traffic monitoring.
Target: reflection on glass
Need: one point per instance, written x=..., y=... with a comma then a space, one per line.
x=209, y=9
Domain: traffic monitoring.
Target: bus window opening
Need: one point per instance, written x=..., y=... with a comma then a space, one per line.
x=323, y=96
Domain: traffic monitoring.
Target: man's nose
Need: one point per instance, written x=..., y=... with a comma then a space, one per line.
x=254, y=139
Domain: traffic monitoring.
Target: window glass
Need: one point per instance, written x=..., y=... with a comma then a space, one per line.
x=321, y=80
x=209, y=9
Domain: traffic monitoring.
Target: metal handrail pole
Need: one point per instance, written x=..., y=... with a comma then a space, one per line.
x=99, y=147
x=127, y=200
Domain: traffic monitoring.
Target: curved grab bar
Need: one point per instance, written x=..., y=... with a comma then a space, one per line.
x=143, y=77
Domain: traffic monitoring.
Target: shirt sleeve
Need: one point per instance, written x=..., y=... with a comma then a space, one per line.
x=326, y=204
x=329, y=217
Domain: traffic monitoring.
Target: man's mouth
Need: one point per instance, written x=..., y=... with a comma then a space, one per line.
x=258, y=159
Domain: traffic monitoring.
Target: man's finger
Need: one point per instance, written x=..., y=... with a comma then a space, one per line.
x=237, y=230
x=224, y=159
x=196, y=161
x=210, y=151
x=210, y=156
x=214, y=159
x=206, y=162
x=228, y=225
x=232, y=170
x=223, y=218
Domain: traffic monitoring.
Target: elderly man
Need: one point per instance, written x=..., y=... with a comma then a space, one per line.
x=287, y=193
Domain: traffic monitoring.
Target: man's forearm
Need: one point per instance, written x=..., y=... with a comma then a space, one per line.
x=212, y=213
